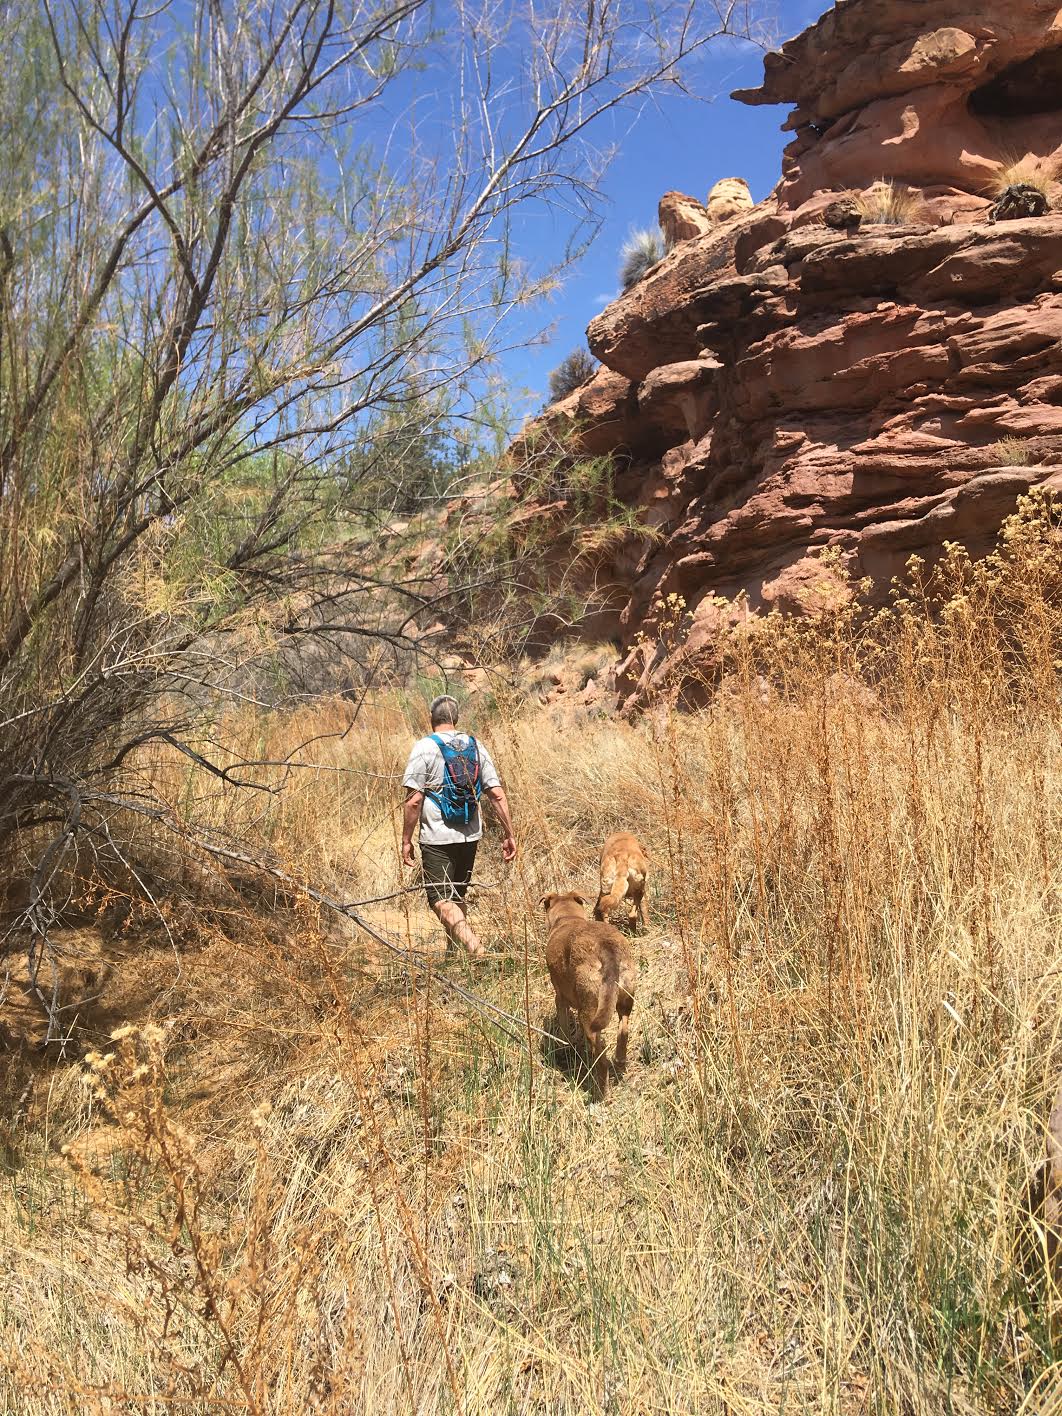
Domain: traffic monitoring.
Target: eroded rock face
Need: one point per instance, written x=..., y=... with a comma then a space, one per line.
x=860, y=394
x=655, y=322
x=944, y=96
x=779, y=389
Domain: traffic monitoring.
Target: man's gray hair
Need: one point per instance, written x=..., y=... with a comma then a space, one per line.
x=443, y=710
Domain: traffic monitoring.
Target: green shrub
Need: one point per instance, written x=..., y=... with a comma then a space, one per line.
x=571, y=373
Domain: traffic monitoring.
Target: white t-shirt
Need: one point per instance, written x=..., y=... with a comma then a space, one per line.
x=425, y=771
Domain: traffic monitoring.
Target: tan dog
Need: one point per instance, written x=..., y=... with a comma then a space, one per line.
x=624, y=865
x=593, y=973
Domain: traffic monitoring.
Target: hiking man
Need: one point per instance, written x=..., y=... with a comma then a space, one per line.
x=444, y=777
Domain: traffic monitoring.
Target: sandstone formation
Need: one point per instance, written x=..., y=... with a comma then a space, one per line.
x=943, y=96
x=729, y=197
x=774, y=389
x=681, y=218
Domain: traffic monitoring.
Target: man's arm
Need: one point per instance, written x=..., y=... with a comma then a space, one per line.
x=500, y=805
x=410, y=817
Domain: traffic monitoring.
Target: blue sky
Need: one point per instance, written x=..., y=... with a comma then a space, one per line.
x=685, y=144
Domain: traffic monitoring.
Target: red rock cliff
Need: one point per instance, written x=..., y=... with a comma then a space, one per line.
x=774, y=388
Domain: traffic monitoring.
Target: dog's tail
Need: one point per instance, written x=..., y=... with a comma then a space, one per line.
x=611, y=961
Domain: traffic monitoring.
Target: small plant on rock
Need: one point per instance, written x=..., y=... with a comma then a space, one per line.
x=888, y=204
x=571, y=373
x=640, y=252
x=1020, y=174
x=1015, y=452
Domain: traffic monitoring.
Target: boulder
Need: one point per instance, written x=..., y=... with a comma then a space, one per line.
x=845, y=214
x=1018, y=200
x=682, y=218
x=596, y=418
x=729, y=197
x=681, y=397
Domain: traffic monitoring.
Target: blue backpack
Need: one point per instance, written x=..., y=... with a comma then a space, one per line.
x=458, y=797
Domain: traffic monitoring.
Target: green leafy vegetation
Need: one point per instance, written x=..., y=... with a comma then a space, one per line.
x=571, y=373
x=246, y=327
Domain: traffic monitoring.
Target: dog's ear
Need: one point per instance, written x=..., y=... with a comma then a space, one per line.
x=546, y=901
x=579, y=900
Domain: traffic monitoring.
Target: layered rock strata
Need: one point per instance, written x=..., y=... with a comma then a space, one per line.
x=774, y=389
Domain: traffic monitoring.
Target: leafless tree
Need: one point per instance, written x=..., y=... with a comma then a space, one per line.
x=234, y=240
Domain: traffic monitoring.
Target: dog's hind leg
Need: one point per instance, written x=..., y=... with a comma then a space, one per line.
x=624, y=1005
x=597, y=1061
x=609, y=899
x=600, y=1070
x=564, y=1019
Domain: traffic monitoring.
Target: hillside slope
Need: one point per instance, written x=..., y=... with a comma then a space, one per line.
x=292, y=1171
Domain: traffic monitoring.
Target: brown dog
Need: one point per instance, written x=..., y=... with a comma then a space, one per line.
x=593, y=972
x=624, y=865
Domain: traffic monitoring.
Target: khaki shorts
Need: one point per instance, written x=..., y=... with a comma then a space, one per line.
x=447, y=871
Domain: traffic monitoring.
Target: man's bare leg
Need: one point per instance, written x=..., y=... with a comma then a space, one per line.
x=452, y=916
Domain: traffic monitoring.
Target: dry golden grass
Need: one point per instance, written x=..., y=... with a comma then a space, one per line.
x=1022, y=172
x=1015, y=452
x=307, y=1183
x=889, y=203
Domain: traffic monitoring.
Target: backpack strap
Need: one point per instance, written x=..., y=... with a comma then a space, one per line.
x=446, y=747
x=479, y=767
x=474, y=745
x=435, y=793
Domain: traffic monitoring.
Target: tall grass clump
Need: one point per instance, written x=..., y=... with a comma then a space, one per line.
x=889, y=203
x=639, y=253
x=1021, y=172
x=1015, y=452
x=290, y=1172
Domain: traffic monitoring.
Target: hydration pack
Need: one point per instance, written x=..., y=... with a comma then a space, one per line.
x=458, y=797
